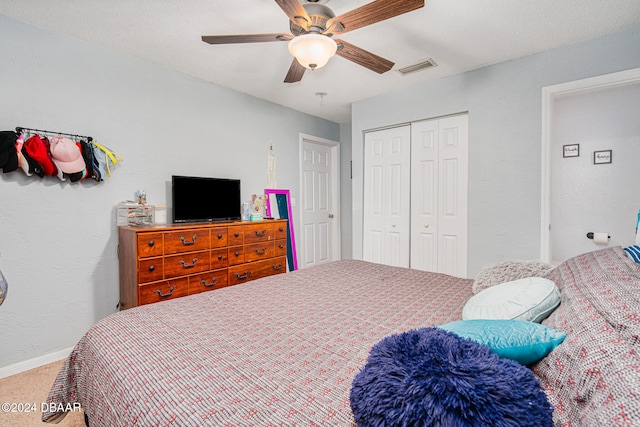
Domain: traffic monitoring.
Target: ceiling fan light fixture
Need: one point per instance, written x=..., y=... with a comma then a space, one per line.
x=312, y=50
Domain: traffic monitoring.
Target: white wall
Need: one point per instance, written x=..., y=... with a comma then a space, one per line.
x=587, y=197
x=58, y=241
x=504, y=102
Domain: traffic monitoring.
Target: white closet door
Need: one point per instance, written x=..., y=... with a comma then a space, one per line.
x=439, y=190
x=424, y=195
x=386, y=238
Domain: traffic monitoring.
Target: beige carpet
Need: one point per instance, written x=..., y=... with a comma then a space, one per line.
x=32, y=387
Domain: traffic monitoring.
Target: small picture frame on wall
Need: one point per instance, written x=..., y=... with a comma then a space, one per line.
x=601, y=157
x=571, y=150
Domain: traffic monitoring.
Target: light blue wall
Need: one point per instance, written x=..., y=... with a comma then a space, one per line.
x=504, y=102
x=346, y=217
x=58, y=241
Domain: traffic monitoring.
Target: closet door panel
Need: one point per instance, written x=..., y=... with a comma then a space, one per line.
x=387, y=196
x=424, y=195
x=452, y=199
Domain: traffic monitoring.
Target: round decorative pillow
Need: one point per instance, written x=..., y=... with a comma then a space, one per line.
x=432, y=377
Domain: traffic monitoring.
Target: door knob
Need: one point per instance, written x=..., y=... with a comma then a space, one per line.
x=426, y=226
x=331, y=216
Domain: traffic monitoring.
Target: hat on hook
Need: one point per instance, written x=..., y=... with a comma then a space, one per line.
x=34, y=167
x=66, y=155
x=38, y=152
x=8, y=154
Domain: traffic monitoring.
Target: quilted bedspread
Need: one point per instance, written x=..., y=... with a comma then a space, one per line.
x=593, y=377
x=282, y=350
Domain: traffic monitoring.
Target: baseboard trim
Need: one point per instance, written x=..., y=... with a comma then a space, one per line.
x=36, y=362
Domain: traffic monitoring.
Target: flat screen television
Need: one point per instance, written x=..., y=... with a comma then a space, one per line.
x=200, y=199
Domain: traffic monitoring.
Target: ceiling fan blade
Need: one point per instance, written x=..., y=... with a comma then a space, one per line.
x=362, y=57
x=295, y=73
x=370, y=13
x=295, y=12
x=247, y=38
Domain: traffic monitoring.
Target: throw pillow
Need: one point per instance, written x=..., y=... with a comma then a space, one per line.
x=431, y=377
x=524, y=342
x=531, y=299
x=507, y=271
x=633, y=252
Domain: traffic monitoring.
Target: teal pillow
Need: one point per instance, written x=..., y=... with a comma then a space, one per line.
x=519, y=340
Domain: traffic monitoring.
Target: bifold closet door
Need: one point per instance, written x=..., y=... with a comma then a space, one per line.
x=439, y=189
x=387, y=162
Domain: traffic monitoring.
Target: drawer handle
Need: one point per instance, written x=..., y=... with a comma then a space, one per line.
x=261, y=252
x=237, y=253
x=159, y=292
x=184, y=265
x=237, y=234
x=277, y=267
x=260, y=234
x=281, y=246
x=152, y=267
x=243, y=276
x=220, y=236
x=151, y=243
x=208, y=285
x=219, y=257
x=281, y=229
x=192, y=242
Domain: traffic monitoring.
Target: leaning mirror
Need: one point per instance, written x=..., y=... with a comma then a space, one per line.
x=278, y=206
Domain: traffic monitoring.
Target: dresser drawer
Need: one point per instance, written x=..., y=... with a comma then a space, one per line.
x=258, y=232
x=189, y=263
x=236, y=255
x=235, y=236
x=150, y=269
x=255, y=270
x=259, y=251
x=208, y=281
x=219, y=258
x=187, y=240
x=280, y=230
x=149, y=244
x=280, y=248
x=163, y=290
x=218, y=237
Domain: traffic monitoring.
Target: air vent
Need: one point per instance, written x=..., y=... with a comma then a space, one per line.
x=418, y=66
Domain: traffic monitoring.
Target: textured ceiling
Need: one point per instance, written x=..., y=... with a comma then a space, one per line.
x=459, y=35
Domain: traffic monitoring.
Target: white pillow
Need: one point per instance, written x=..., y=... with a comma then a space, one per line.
x=531, y=299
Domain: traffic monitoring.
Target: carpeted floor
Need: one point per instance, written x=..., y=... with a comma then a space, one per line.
x=32, y=387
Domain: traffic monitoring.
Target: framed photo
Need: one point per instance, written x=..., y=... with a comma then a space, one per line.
x=571, y=150
x=601, y=157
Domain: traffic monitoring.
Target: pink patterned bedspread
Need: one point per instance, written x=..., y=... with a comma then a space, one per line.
x=593, y=377
x=277, y=351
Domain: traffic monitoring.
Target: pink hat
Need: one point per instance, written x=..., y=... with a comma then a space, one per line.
x=66, y=155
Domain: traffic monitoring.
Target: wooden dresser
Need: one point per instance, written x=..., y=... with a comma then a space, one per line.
x=170, y=261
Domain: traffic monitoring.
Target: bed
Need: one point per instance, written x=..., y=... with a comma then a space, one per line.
x=284, y=350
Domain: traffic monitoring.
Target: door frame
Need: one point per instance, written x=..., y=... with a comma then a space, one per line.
x=335, y=194
x=548, y=96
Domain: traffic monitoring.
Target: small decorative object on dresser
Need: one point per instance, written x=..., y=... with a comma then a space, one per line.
x=169, y=261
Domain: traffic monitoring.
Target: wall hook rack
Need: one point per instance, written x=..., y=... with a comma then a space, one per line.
x=21, y=129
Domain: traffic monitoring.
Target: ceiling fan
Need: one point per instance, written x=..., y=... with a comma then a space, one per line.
x=313, y=26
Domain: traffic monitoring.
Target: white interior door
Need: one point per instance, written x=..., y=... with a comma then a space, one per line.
x=386, y=196
x=453, y=185
x=320, y=206
x=439, y=187
x=424, y=195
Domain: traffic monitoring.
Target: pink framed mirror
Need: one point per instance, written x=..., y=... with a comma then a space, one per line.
x=278, y=206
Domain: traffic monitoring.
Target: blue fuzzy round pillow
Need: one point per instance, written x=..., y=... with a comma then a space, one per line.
x=431, y=377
